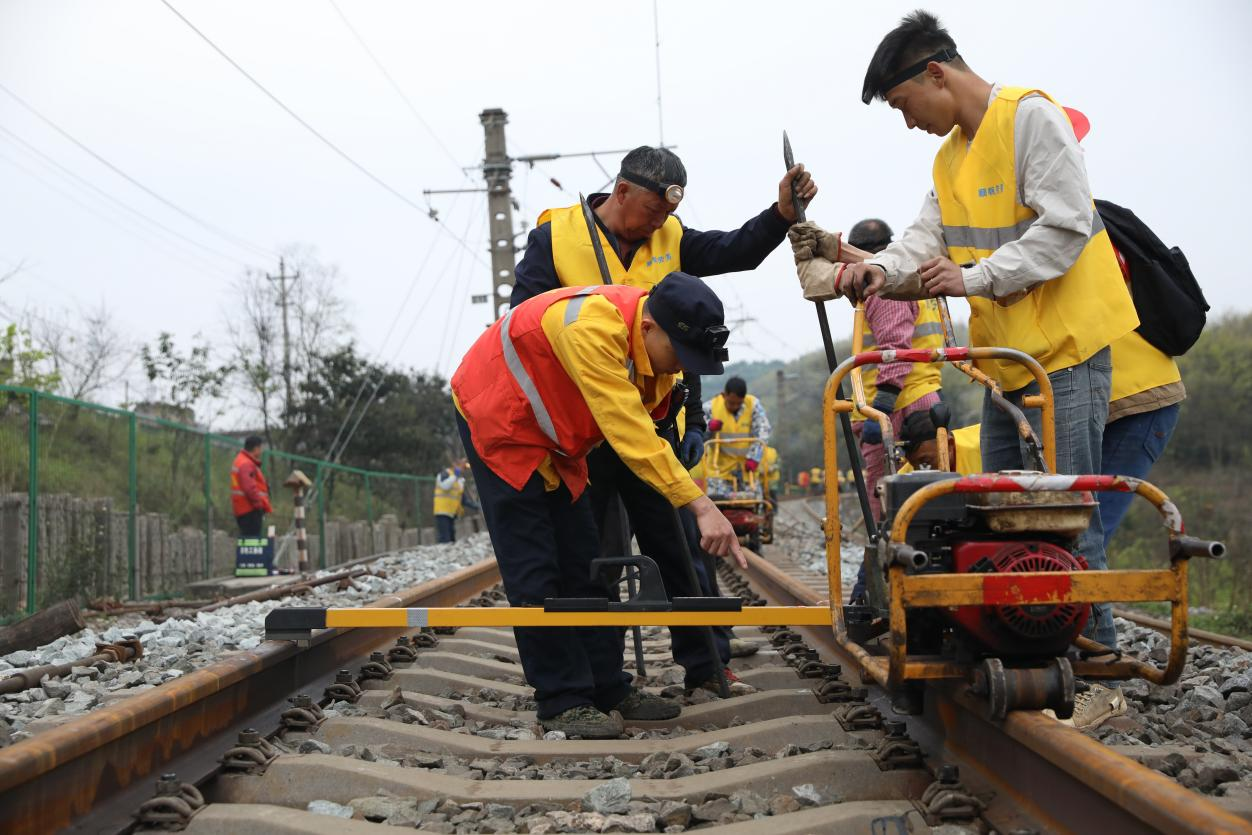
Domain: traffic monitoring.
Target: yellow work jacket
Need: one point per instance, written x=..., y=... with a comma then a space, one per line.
x=735, y=433
x=575, y=259
x=924, y=377
x=816, y=474
x=448, y=501
x=1060, y=322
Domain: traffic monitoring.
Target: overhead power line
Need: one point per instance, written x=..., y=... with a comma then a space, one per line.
x=342, y=154
x=396, y=87
x=82, y=181
x=259, y=250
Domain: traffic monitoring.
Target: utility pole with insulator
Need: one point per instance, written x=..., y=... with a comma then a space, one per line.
x=282, y=280
x=498, y=171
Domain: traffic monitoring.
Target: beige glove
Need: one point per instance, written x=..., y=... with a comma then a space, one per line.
x=809, y=240
x=820, y=280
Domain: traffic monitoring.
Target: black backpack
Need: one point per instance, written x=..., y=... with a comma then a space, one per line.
x=1168, y=299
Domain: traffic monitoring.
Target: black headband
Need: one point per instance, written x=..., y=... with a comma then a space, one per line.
x=672, y=193
x=908, y=72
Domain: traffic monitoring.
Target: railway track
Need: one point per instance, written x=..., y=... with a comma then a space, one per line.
x=444, y=737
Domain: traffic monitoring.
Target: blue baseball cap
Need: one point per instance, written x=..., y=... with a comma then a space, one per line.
x=692, y=317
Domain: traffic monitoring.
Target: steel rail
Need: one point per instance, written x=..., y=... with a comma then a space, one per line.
x=1196, y=636
x=50, y=781
x=1059, y=776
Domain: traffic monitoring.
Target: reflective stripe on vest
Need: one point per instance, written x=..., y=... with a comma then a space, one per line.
x=575, y=260
x=1060, y=322
x=923, y=378
x=527, y=385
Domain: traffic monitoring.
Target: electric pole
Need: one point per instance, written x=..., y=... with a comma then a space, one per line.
x=282, y=279
x=498, y=171
x=497, y=168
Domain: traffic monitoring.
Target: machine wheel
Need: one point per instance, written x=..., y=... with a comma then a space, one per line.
x=1028, y=688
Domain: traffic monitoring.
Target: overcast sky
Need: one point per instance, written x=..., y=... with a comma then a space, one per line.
x=1161, y=83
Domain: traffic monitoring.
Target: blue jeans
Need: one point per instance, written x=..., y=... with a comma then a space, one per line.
x=1131, y=447
x=1081, y=394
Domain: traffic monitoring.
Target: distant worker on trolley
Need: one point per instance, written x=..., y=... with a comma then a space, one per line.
x=450, y=501
x=555, y=377
x=643, y=241
x=739, y=422
x=249, y=491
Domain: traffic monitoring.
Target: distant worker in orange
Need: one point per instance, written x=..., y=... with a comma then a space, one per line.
x=249, y=492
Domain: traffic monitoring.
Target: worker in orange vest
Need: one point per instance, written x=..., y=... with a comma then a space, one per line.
x=556, y=376
x=249, y=492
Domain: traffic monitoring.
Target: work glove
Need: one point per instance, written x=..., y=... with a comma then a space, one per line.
x=715, y=425
x=808, y=241
x=885, y=402
x=751, y=466
x=820, y=280
x=691, y=450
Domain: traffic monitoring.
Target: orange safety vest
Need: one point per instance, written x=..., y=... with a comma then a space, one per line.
x=246, y=471
x=519, y=401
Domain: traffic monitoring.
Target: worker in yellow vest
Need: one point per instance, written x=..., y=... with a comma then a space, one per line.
x=738, y=420
x=898, y=389
x=817, y=477
x=643, y=241
x=450, y=501
x=1010, y=224
x=919, y=440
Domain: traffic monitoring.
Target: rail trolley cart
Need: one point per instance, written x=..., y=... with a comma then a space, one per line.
x=744, y=498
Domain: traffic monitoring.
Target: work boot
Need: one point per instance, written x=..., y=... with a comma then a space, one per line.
x=739, y=648
x=644, y=707
x=584, y=721
x=736, y=687
x=1094, y=706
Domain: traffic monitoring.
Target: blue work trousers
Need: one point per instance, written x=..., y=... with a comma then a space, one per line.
x=1081, y=394
x=544, y=544
x=1131, y=446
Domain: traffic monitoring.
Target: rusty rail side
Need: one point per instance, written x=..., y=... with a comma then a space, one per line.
x=1061, y=777
x=49, y=781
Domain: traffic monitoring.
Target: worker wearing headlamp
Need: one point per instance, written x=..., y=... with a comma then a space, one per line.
x=644, y=241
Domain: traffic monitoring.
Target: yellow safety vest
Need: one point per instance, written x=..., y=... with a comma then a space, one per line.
x=736, y=431
x=968, y=442
x=1060, y=322
x=1139, y=366
x=923, y=377
x=448, y=502
x=817, y=474
x=575, y=259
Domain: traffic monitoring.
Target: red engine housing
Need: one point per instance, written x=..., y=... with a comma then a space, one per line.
x=744, y=520
x=1045, y=629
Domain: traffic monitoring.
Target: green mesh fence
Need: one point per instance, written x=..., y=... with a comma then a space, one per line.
x=102, y=502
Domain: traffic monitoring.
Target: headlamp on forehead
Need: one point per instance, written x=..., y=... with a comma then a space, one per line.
x=672, y=193
x=714, y=337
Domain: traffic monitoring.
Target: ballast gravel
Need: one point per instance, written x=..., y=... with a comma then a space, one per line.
x=180, y=645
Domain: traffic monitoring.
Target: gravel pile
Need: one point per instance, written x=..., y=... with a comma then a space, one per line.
x=609, y=807
x=1201, y=724
x=802, y=538
x=179, y=645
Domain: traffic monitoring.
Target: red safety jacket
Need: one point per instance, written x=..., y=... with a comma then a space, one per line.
x=519, y=401
x=248, y=488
